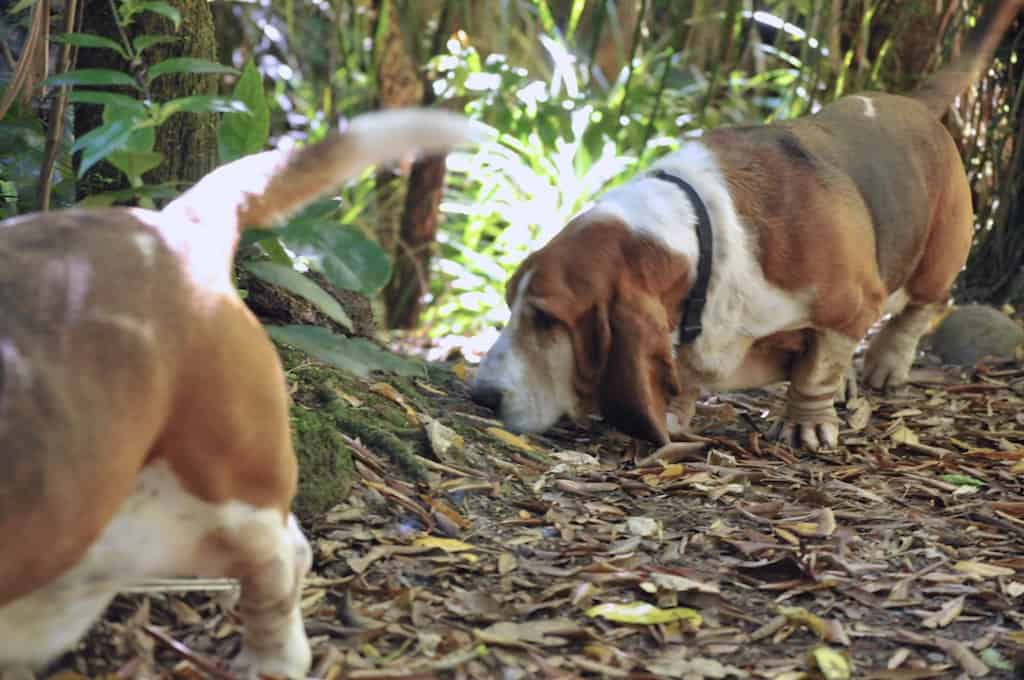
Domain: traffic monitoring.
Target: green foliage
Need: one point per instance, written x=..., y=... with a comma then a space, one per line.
x=245, y=132
x=356, y=355
x=291, y=280
x=127, y=135
x=342, y=253
x=129, y=9
x=22, y=145
x=316, y=240
x=569, y=127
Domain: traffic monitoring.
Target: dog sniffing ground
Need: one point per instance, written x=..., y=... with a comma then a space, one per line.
x=901, y=552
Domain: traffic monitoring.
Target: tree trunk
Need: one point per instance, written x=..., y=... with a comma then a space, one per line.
x=411, y=276
x=188, y=141
x=995, y=119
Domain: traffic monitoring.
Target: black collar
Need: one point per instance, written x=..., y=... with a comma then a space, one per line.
x=693, y=305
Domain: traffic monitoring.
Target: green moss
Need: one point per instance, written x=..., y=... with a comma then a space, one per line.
x=320, y=414
x=408, y=389
x=363, y=426
x=325, y=463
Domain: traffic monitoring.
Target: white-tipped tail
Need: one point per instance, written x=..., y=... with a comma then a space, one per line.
x=384, y=136
x=266, y=187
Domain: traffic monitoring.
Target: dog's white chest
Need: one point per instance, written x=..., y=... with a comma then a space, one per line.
x=157, y=532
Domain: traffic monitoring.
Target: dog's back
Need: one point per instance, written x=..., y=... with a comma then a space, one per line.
x=85, y=301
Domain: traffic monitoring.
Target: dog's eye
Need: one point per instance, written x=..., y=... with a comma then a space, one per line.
x=542, y=320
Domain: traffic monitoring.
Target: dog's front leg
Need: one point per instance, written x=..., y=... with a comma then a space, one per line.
x=681, y=410
x=274, y=640
x=810, y=418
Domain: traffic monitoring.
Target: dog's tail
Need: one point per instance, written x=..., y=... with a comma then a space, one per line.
x=266, y=187
x=939, y=90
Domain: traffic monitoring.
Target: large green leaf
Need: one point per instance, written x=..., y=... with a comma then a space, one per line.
x=135, y=164
x=99, y=143
x=141, y=43
x=200, y=104
x=108, y=99
x=134, y=156
x=357, y=355
x=92, y=76
x=293, y=281
x=343, y=254
x=241, y=134
x=186, y=65
x=129, y=9
x=90, y=40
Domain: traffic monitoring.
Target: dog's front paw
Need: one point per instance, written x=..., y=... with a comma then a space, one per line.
x=812, y=435
x=810, y=422
x=290, y=658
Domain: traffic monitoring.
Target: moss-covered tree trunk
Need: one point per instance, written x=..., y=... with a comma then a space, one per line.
x=188, y=141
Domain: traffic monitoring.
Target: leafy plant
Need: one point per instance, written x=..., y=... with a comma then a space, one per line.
x=314, y=240
x=126, y=137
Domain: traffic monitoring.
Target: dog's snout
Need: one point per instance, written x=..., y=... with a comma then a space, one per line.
x=486, y=394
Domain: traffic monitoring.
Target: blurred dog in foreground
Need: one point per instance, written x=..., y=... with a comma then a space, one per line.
x=143, y=410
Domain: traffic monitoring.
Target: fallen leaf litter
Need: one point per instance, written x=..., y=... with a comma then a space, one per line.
x=581, y=555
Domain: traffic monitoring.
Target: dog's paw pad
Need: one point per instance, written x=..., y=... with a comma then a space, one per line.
x=886, y=372
x=812, y=435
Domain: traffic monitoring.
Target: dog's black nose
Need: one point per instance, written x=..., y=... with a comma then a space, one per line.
x=487, y=395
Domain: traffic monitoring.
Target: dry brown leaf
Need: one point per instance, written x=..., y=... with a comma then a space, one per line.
x=981, y=570
x=801, y=616
x=388, y=391
x=946, y=614
x=575, y=458
x=184, y=613
x=507, y=562
x=681, y=584
x=445, y=442
x=859, y=410
x=974, y=666
x=901, y=434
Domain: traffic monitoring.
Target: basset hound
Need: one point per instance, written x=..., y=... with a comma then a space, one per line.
x=144, y=423
x=749, y=256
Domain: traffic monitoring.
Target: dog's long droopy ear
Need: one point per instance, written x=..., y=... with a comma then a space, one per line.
x=639, y=376
x=590, y=332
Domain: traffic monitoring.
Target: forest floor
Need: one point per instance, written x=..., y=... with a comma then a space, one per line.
x=573, y=555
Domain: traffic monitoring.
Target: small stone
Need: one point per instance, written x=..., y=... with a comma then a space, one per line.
x=973, y=332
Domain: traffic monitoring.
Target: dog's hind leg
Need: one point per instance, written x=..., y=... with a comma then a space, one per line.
x=891, y=353
x=275, y=641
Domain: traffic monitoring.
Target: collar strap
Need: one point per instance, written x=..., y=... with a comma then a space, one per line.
x=693, y=305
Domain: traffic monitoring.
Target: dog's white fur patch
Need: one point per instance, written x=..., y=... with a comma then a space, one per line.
x=147, y=245
x=533, y=375
x=869, y=107
x=159, y=531
x=742, y=305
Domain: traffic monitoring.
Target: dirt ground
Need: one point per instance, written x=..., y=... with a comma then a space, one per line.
x=573, y=555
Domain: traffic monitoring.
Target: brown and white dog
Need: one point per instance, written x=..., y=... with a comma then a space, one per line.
x=143, y=410
x=812, y=230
